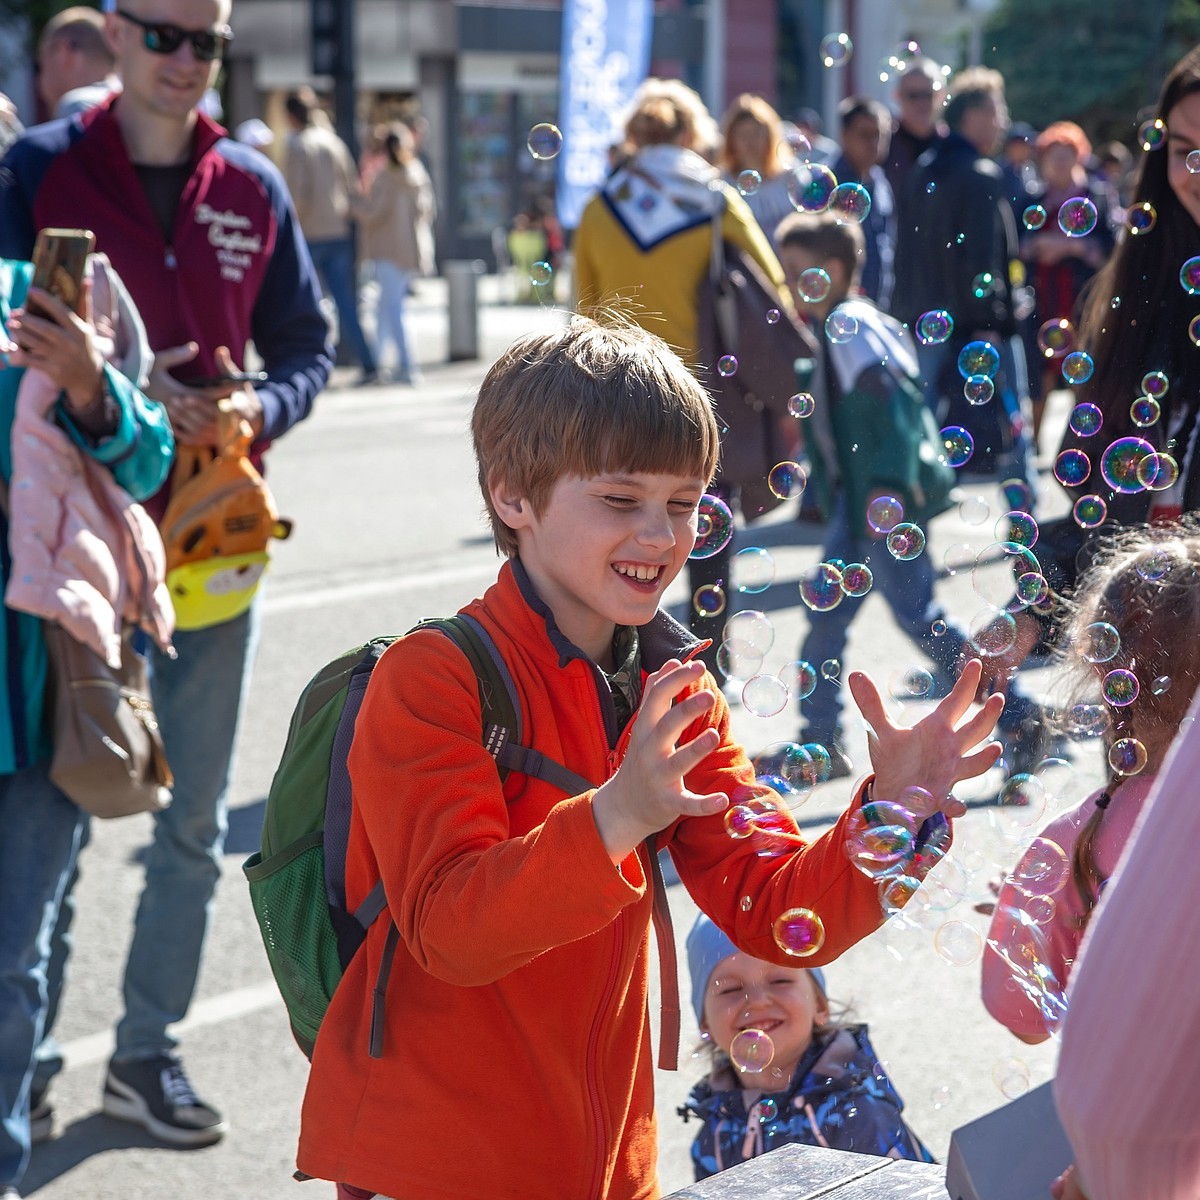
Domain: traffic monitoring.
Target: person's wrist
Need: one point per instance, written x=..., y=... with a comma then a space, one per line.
x=616, y=828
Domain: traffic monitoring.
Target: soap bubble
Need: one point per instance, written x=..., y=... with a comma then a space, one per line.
x=810, y=187
x=1141, y=218
x=1034, y=217
x=896, y=892
x=727, y=365
x=814, y=285
x=1128, y=756
x=821, y=588
x=799, y=932
x=1085, y=420
x=709, y=600
x=996, y=566
x=1018, y=494
x=984, y=284
x=748, y=182
x=939, y=628
x=898, y=60
x=978, y=389
x=857, y=579
x=992, y=632
x=974, y=510
x=1056, y=338
x=754, y=569
x=1077, y=217
x=1156, y=384
x=978, y=358
x=802, y=405
x=905, y=541
x=879, y=842
x=1144, y=411
x=800, y=677
x=1121, y=462
x=766, y=1110
x=1011, y=1076
x=1072, y=467
x=750, y=632
x=740, y=821
x=1161, y=685
x=884, y=513
x=545, y=141
x=1101, y=642
x=911, y=684
x=1044, y=869
x=1152, y=134
x=850, y=202
x=934, y=327
x=764, y=695
x=830, y=670
x=1078, y=367
x=835, y=49
x=541, y=273
x=1189, y=276
x=840, y=327
x=1194, y=323
x=1154, y=565
x=1017, y=527
x=751, y=1051
x=958, y=943
x=786, y=479
x=1192, y=162
x=1120, y=687
x=1089, y=511
x=1024, y=793
x=1032, y=589
x=959, y=445
x=714, y=527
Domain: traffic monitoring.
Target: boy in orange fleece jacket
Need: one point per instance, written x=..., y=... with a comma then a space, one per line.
x=516, y=1058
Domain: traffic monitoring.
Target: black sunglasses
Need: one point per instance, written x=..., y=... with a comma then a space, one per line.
x=160, y=37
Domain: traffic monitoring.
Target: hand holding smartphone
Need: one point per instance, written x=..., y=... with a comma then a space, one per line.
x=206, y=381
x=59, y=264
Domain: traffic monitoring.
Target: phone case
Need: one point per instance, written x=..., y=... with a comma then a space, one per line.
x=59, y=263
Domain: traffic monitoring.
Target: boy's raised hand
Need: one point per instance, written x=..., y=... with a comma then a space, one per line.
x=935, y=753
x=647, y=792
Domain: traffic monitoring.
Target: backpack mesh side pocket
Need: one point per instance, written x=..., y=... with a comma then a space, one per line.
x=288, y=894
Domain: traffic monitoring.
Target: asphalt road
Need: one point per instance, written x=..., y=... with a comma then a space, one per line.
x=381, y=486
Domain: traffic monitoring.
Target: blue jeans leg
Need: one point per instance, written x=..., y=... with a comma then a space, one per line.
x=40, y=831
x=334, y=261
x=198, y=698
x=393, y=295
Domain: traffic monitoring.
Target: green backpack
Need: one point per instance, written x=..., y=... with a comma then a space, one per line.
x=298, y=880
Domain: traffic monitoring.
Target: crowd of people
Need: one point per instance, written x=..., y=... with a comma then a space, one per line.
x=937, y=273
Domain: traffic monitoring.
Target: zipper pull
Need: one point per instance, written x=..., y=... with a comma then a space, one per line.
x=171, y=264
x=613, y=763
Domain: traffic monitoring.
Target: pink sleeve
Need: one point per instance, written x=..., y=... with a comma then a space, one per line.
x=1127, y=1089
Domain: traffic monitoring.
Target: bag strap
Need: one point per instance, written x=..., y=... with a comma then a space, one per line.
x=723, y=299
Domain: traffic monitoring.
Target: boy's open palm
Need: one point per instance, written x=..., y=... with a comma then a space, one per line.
x=935, y=753
x=647, y=792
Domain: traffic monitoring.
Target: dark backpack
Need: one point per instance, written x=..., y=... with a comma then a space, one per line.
x=298, y=880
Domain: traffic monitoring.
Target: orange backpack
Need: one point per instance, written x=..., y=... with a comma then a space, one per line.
x=218, y=524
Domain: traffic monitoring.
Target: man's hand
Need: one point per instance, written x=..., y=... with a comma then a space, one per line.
x=935, y=753
x=60, y=344
x=647, y=793
x=193, y=411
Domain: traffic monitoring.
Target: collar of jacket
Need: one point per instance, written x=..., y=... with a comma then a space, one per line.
x=101, y=123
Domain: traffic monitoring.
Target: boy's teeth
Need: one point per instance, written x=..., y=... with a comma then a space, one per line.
x=639, y=572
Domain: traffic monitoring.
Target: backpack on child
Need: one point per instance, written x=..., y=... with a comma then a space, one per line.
x=298, y=880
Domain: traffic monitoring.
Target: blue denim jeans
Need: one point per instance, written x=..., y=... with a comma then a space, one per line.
x=334, y=261
x=40, y=831
x=389, y=321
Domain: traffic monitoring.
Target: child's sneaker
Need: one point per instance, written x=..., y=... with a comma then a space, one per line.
x=41, y=1118
x=156, y=1094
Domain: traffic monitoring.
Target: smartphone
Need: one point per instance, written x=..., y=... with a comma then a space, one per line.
x=59, y=262
x=203, y=381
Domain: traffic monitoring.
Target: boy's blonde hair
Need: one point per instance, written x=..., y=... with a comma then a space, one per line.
x=665, y=112
x=587, y=400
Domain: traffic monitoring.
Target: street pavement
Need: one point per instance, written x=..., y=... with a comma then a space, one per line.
x=389, y=529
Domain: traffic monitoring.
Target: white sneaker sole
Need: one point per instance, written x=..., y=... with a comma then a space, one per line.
x=125, y=1104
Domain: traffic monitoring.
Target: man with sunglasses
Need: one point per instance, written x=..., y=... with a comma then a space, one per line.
x=203, y=232
x=920, y=92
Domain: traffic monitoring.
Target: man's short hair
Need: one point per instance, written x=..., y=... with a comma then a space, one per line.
x=300, y=105
x=82, y=29
x=825, y=237
x=854, y=107
x=972, y=88
x=587, y=400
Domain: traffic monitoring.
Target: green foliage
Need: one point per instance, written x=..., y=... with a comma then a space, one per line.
x=1096, y=62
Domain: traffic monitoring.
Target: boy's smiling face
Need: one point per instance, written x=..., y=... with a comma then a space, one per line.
x=604, y=549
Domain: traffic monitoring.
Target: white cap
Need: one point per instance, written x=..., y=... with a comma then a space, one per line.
x=254, y=133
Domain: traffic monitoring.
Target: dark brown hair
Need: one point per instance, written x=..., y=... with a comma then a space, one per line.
x=825, y=237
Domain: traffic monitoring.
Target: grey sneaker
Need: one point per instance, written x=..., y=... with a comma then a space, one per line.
x=156, y=1094
x=41, y=1120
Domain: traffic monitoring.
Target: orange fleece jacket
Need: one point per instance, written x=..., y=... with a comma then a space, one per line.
x=517, y=1059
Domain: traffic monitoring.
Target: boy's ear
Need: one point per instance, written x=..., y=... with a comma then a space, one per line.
x=511, y=507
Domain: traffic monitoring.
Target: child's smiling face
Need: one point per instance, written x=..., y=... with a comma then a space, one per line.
x=784, y=1002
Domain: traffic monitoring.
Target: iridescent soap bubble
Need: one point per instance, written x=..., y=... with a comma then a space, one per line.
x=1011, y=1077
x=958, y=943
x=1120, y=687
x=1077, y=217
x=1055, y=338
x=978, y=358
x=884, y=513
x=1154, y=565
x=1194, y=323
x=984, y=284
x=814, y=285
x=1141, y=218
x=748, y=182
x=1121, y=461
x=541, y=273
x=1189, y=276
x=1017, y=527
x=896, y=892
x=974, y=510
x=958, y=444
x=764, y=695
x=1034, y=217
x=1161, y=685
x=1158, y=472
x=1128, y=756
x=754, y=569
x=1156, y=384
x=714, y=527
x=835, y=49
x=978, y=389
x=786, y=479
x=766, y=1111
x=1025, y=792
x=1044, y=869
x=810, y=187
x=795, y=144
x=939, y=628
x=831, y=669
x=727, y=365
x=819, y=764
x=850, y=202
x=799, y=932
x=1072, y=467
x=800, y=677
x=911, y=684
x=840, y=327
x=898, y=60
x=879, y=841
x=1032, y=588
x=1152, y=134
x=1018, y=494
x=1085, y=420
x=857, y=579
x=995, y=568
x=751, y=631
x=737, y=662
x=906, y=541
x=1078, y=367
x=992, y=633
x=1192, y=162
x=740, y=821
x=821, y=588
x=751, y=1051
x=802, y=405
x=709, y=600
x=1101, y=642
x=1089, y=511
x=545, y=141
x=1144, y=411
x=934, y=327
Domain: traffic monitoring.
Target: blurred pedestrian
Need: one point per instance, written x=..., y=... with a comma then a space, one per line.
x=255, y=133
x=323, y=180
x=397, y=224
x=822, y=149
x=76, y=66
x=10, y=124
x=920, y=93
x=1019, y=168
x=756, y=159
